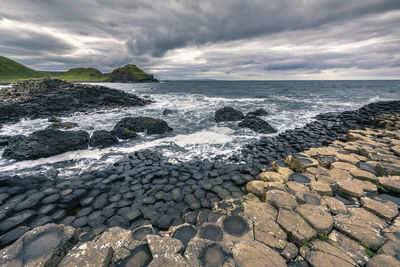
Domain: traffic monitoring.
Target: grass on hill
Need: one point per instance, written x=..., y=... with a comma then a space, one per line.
x=83, y=75
x=11, y=70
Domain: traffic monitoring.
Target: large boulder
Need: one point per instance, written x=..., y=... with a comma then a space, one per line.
x=128, y=127
x=256, y=124
x=103, y=139
x=46, y=143
x=228, y=114
x=257, y=112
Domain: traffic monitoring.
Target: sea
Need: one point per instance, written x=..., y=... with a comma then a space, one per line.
x=196, y=135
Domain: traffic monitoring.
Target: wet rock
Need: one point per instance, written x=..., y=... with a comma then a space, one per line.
x=317, y=217
x=12, y=235
x=167, y=112
x=300, y=163
x=253, y=253
x=211, y=232
x=202, y=252
x=42, y=246
x=142, y=232
x=63, y=125
x=235, y=225
x=139, y=256
x=46, y=143
x=128, y=127
x=257, y=112
x=280, y=199
x=88, y=254
x=228, y=114
x=103, y=139
x=297, y=228
x=16, y=220
x=362, y=226
x=387, y=210
x=257, y=124
x=184, y=233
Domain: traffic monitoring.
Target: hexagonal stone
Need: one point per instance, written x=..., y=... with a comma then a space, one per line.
x=317, y=217
x=259, y=211
x=184, y=233
x=338, y=174
x=139, y=256
x=352, y=248
x=321, y=188
x=382, y=260
x=362, y=226
x=235, y=225
x=298, y=229
x=51, y=199
x=335, y=206
x=350, y=188
x=343, y=166
x=16, y=220
x=280, y=199
x=364, y=175
x=142, y=232
x=202, y=252
x=80, y=222
x=12, y=235
x=211, y=232
x=59, y=214
x=391, y=248
x=290, y=251
x=387, y=210
x=163, y=245
x=253, y=253
x=88, y=254
x=391, y=184
x=300, y=162
x=269, y=233
x=325, y=254
x=42, y=246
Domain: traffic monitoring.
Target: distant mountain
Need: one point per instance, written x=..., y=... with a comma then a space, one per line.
x=11, y=70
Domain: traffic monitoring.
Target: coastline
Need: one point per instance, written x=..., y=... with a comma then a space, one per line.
x=134, y=199
x=312, y=201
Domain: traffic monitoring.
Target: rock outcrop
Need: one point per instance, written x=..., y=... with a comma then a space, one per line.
x=103, y=139
x=257, y=124
x=228, y=114
x=46, y=143
x=128, y=127
x=50, y=97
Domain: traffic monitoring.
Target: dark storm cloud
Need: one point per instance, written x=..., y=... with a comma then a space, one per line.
x=145, y=31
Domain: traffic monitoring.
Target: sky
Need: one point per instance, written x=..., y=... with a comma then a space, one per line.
x=216, y=39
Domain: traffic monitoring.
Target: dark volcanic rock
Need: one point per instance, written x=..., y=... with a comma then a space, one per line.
x=130, y=73
x=103, y=139
x=228, y=114
x=257, y=112
x=256, y=124
x=51, y=97
x=46, y=143
x=127, y=127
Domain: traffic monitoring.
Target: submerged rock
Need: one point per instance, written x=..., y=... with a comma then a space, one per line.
x=256, y=124
x=63, y=125
x=167, y=111
x=46, y=143
x=128, y=127
x=228, y=114
x=103, y=139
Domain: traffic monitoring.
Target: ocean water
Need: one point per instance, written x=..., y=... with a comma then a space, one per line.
x=196, y=135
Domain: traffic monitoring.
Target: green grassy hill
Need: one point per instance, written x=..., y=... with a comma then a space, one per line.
x=84, y=75
x=13, y=71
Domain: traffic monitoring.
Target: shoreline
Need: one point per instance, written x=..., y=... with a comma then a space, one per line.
x=335, y=181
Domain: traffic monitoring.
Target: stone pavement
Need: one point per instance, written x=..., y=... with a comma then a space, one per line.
x=327, y=206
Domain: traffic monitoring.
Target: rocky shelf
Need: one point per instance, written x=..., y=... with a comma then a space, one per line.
x=52, y=97
x=325, y=206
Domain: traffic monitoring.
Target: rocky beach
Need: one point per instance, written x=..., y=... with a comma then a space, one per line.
x=323, y=194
